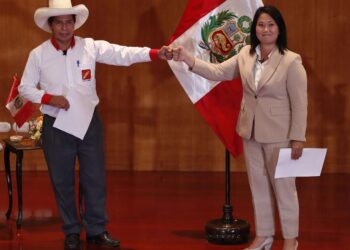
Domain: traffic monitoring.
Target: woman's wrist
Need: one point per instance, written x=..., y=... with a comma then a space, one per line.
x=191, y=62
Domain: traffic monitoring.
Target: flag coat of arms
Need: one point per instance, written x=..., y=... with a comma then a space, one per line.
x=20, y=108
x=214, y=31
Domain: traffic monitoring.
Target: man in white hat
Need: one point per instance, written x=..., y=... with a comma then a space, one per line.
x=60, y=66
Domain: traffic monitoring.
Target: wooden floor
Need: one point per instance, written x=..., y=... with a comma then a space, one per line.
x=168, y=211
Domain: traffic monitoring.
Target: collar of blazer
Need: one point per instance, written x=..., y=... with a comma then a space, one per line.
x=270, y=67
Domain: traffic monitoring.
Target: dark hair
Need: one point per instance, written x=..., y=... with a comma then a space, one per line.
x=51, y=18
x=277, y=17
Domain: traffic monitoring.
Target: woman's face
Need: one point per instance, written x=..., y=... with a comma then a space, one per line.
x=266, y=30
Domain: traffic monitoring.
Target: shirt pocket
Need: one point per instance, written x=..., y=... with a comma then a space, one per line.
x=86, y=73
x=85, y=69
x=85, y=79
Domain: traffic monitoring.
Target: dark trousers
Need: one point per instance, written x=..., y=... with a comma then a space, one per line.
x=61, y=151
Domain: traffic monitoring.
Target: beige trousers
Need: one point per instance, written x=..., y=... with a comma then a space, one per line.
x=261, y=160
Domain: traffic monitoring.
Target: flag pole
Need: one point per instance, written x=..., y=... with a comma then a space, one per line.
x=16, y=127
x=227, y=230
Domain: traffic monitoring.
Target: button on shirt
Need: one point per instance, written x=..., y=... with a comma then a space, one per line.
x=259, y=66
x=49, y=71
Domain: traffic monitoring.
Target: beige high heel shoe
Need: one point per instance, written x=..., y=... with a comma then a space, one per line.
x=266, y=245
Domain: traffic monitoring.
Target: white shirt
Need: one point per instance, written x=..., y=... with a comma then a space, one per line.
x=49, y=71
x=259, y=66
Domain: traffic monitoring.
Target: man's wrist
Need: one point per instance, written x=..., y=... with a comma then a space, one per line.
x=153, y=53
x=46, y=99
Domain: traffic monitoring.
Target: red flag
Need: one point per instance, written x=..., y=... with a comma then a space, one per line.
x=215, y=31
x=20, y=108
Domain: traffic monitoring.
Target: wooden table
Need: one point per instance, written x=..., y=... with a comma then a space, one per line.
x=17, y=148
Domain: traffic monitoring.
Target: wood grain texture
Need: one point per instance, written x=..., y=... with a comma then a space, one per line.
x=149, y=122
x=168, y=210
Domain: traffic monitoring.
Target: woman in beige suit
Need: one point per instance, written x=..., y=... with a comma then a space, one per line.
x=273, y=115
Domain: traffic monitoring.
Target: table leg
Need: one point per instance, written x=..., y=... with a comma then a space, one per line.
x=8, y=180
x=19, y=186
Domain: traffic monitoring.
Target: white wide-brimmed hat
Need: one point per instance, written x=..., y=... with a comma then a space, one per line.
x=60, y=8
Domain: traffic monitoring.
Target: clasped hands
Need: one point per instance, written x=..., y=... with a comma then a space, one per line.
x=178, y=53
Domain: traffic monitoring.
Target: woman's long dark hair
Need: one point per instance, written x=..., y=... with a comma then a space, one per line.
x=277, y=17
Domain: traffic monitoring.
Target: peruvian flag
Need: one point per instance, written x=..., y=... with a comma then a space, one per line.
x=214, y=31
x=20, y=108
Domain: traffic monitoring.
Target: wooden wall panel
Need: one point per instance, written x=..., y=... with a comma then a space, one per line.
x=319, y=31
x=149, y=122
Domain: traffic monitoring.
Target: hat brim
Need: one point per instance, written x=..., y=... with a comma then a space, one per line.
x=42, y=15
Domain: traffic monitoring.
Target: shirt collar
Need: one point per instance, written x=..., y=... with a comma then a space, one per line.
x=258, y=52
x=57, y=47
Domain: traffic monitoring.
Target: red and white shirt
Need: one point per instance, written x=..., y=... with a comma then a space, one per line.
x=49, y=71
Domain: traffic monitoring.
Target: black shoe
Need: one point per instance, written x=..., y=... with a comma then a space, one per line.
x=72, y=242
x=103, y=240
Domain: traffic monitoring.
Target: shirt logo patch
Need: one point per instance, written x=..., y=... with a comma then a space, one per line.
x=86, y=74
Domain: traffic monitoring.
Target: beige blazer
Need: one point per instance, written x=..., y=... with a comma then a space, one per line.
x=277, y=108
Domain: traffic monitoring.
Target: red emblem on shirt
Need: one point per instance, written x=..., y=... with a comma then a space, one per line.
x=86, y=74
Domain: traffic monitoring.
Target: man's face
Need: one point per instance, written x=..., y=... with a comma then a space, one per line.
x=63, y=28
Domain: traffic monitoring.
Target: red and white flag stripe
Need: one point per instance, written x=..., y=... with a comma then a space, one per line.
x=217, y=102
x=20, y=108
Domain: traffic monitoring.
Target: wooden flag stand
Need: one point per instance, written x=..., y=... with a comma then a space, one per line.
x=227, y=230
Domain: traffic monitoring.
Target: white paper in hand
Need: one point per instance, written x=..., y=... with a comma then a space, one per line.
x=309, y=164
x=77, y=118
